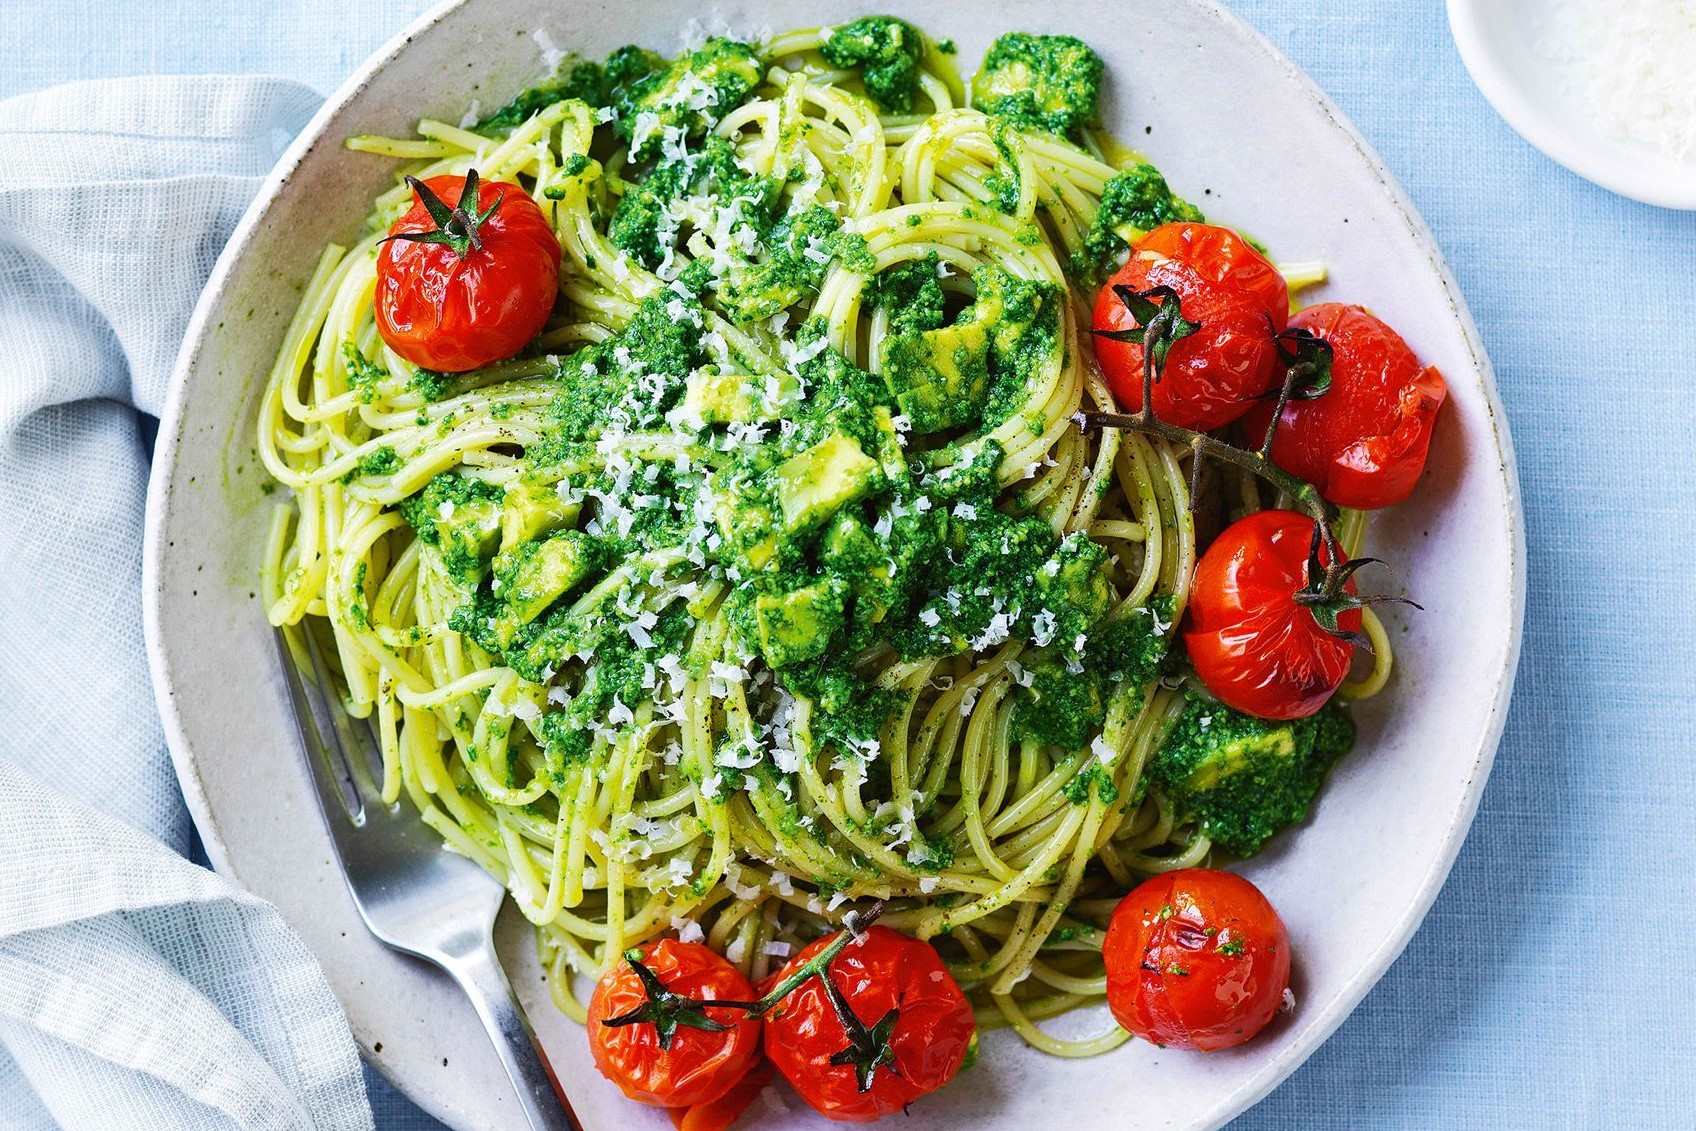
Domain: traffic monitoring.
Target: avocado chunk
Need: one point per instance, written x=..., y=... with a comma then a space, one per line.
x=797, y=626
x=1277, y=744
x=530, y=510
x=534, y=575
x=889, y=454
x=459, y=518
x=942, y=378
x=848, y=546
x=939, y=378
x=850, y=552
x=467, y=536
x=1059, y=708
x=748, y=527
x=1242, y=778
x=814, y=484
x=734, y=398
x=691, y=95
x=1075, y=577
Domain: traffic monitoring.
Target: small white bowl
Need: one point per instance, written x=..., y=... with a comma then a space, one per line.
x=1499, y=49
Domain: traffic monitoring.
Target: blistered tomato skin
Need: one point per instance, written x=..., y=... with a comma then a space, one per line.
x=1254, y=646
x=1216, y=374
x=699, y=1066
x=1196, y=959
x=1223, y=259
x=885, y=970
x=1364, y=442
x=452, y=313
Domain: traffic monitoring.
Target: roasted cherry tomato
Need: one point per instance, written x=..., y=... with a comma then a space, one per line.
x=693, y=1065
x=462, y=285
x=909, y=1028
x=1196, y=959
x=1211, y=376
x=721, y=1114
x=1363, y=443
x=1255, y=646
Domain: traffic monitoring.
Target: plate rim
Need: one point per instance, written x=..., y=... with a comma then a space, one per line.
x=1276, y=1069
x=169, y=436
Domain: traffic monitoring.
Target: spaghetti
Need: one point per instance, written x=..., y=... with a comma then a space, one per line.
x=632, y=758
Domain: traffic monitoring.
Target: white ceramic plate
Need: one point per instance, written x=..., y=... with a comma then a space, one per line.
x=1237, y=128
x=1497, y=40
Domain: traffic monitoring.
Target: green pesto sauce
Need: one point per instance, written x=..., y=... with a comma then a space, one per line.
x=458, y=517
x=841, y=510
x=378, y=461
x=363, y=375
x=594, y=83
x=1136, y=198
x=1046, y=82
x=357, y=610
x=1092, y=778
x=1242, y=778
x=886, y=53
x=690, y=94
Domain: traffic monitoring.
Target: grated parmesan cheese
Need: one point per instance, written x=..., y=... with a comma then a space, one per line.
x=552, y=56
x=1628, y=66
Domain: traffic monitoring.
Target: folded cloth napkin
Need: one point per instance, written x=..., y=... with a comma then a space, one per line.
x=137, y=990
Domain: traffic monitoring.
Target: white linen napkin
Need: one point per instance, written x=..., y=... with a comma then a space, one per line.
x=137, y=990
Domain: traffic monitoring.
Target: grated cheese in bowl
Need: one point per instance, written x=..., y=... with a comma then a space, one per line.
x=1629, y=64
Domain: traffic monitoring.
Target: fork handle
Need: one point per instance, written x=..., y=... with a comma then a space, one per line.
x=540, y=1097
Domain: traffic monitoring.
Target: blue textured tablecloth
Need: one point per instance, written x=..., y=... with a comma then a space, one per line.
x=1549, y=986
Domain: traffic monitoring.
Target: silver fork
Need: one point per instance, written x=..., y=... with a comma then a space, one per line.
x=415, y=896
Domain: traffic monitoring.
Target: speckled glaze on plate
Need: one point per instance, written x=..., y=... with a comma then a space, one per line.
x=1220, y=111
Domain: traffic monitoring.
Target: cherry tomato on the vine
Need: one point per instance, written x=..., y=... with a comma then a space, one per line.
x=693, y=1065
x=1255, y=646
x=891, y=1063
x=1196, y=959
x=462, y=285
x=1215, y=374
x=1363, y=442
